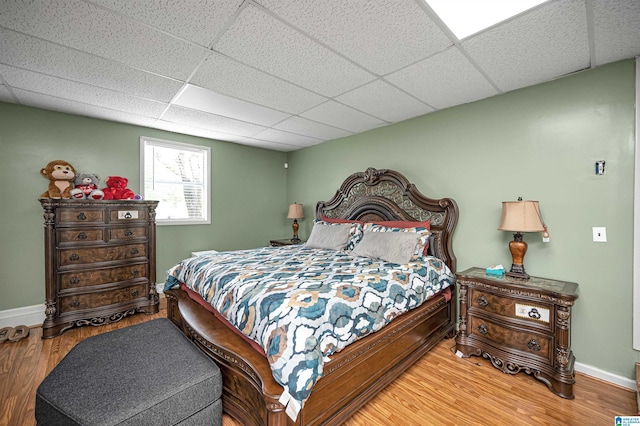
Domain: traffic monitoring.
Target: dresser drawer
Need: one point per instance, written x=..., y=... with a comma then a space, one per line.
x=124, y=215
x=79, y=216
x=539, y=314
x=78, y=302
x=128, y=233
x=79, y=279
x=534, y=344
x=80, y=235
x=79, y=256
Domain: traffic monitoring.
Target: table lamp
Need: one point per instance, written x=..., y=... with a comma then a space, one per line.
x=295, y=213
x=520, y=216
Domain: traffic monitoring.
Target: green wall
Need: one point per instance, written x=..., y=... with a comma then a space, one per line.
x=249, y=202
x=540, y=143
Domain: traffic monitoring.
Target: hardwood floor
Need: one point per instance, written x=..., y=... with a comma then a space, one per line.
x=440, y=389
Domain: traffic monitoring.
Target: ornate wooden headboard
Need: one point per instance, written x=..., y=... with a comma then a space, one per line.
x=381, y=194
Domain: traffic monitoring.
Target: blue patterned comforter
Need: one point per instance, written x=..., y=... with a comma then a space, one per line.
x=303, y=304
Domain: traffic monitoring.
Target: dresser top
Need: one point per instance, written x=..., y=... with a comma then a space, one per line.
x=67, y=202
x=564, y=288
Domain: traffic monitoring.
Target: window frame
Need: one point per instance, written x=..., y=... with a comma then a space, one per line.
x=206, y=217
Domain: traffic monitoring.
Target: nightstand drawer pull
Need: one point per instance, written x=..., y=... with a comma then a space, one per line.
x=82, y=236
x=482, y=301
x=533, y=345
x=134, y=251
x=482, y=329
x=74, y=280
x=134, y=293
x=74, y=303
x=128, y=233
x=533, y=313
x=74, y=257
x=82, y=216
x=135, y=272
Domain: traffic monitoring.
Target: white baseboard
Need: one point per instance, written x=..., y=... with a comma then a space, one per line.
x=606, y=376
x=27, y=315
x=34, y=316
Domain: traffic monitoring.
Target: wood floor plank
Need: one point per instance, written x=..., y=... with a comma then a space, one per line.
x=440, y=389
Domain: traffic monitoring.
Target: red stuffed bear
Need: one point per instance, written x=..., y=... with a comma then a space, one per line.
x=117, y=189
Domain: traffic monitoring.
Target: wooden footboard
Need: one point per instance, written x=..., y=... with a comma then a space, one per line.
x=352, y=377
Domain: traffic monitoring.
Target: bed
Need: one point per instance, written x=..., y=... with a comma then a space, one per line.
x=352, y=375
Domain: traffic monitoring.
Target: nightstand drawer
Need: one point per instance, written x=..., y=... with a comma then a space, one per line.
x=535, y=344
x=538, y=313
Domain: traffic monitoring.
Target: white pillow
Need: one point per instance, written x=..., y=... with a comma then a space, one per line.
x=394, y=247
x=329, y=236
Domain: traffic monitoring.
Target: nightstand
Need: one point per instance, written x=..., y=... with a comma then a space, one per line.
x=285, y=242
x=519, y=325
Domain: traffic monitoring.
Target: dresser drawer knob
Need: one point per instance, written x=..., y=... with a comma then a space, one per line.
x=74, y=303
x=135, y=272
x=134, y=293
x=128, y=233
x=533, y=313
x=482, y=301
x=74, y=257
x=134, y=251
x=74, y=280
x=533, y=345
x=82, y=236
x=82, y=216
x=482, y=329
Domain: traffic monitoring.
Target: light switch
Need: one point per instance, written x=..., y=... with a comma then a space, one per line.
x=599, y=234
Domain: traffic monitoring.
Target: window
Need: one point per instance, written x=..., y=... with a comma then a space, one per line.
x=177, y=175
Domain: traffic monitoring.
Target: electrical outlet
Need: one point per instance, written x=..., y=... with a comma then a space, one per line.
x=599, y=234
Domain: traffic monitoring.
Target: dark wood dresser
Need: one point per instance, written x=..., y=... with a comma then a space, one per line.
x=519, y=325
x=100, y=262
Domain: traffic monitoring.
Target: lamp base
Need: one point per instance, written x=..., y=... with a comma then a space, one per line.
x=517, y=271
x=518, y=248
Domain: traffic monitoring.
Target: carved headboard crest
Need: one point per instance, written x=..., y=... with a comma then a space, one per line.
x=382, y=194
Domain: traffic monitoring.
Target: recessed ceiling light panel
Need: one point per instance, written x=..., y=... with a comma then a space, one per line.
x=467, y=17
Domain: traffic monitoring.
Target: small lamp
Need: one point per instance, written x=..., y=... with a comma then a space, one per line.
x=295, y=213
x=520, y=216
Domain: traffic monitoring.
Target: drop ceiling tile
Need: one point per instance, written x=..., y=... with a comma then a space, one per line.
x=384, y=101
x=302, y=126
x=343, y=117
x=224, y=75
x=23, y=51
x=5, y=95
x=259, y=40
x=41, y=56
x=274, y=135
x=382, y=36
x=89, y=28
x=265, y=144
x=537, y=46
x=196, y=20
x=83, y=93
x=190, y=130
x=53, y=103
x=444, y=80
x=201, y=99
x=616, y=30
x=204, y=120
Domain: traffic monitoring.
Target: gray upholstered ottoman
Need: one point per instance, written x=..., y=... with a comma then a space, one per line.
x=146, y=374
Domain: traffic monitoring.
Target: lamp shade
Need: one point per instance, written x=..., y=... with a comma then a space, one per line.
x=521, y=216
x=295, y=211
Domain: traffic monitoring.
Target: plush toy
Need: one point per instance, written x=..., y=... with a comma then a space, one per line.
x=61, y=175
x=86, y=187
x=117, y=189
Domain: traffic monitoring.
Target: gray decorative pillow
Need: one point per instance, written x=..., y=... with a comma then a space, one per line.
x=329, y=236
x=394, y=247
